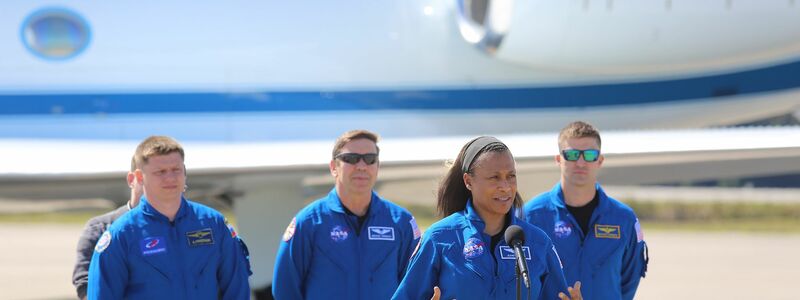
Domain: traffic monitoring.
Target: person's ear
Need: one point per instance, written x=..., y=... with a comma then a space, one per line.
x=332, y=167
x=468, y=181
x=131, y=179
x=139, y=175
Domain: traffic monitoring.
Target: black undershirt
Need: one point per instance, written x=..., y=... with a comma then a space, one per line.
x=583, y=214
x=499, y=237
x=361, y=219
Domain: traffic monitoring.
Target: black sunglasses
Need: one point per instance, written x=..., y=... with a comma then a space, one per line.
x=589, y=155
x=353, y=158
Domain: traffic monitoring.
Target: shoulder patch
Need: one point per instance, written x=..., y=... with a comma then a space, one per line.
x=103, y=242
x=415, y=228
x=639, y=231
x=289, y=233
x=230, y=228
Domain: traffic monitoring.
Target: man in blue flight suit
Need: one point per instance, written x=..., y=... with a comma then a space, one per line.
x=351, y=244
x=598, y=238
x=168, y=247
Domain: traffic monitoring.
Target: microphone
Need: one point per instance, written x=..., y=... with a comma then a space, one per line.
x=515, y=237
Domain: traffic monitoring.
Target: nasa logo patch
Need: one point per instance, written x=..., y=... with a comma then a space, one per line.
x=562, y=229
x=339, y=233
x=473, y=248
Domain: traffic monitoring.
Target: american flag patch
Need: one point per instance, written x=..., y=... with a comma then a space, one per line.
x=415, y=228
x=639, y=232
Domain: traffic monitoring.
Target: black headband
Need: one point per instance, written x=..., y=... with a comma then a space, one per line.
x=476, y=146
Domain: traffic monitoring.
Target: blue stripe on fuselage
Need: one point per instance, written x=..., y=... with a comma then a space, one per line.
x=772, y=78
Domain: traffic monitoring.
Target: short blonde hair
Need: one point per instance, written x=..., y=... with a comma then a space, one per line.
x=153, y=146
x=577, y=129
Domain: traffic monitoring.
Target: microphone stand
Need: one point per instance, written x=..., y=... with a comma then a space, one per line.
x=519, y=281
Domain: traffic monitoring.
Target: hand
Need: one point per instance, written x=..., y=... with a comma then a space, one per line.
x=436, y=293
x=574, y=293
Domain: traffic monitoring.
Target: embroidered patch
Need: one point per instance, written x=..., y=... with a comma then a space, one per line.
x=381, y=233
x=639, y=231
x=289, y=233
x=507, y=252
x=200, y=237
x=339, y=233
x=415, y=228
x=562, y=229
x=231, y=229
x=606, y=231
x=473, y=248
x=153, y=245
x=103, y=242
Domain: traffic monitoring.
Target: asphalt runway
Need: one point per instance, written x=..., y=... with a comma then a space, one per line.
x=36, y=263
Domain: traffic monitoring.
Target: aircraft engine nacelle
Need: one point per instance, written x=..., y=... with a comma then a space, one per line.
x=632, y=37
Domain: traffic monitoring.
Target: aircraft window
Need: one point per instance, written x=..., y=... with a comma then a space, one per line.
x=55, y=33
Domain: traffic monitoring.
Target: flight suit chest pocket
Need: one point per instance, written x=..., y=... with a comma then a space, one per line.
x=334, y=249
x=462, y=269
x=606, y=245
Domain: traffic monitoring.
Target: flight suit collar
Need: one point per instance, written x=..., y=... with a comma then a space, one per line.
x=557, y=199
x=472, y=215
x=151, y=211
x=334, y=203
x=484, y=265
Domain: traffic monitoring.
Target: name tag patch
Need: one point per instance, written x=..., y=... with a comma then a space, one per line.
x=606, y=231
x=200, y=237
x=381, y=233
x=153, y=245
x=506, y=252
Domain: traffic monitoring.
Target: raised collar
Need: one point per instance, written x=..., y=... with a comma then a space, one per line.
x=557, y=197
x=334, y=203
x=151, y=211
x=472, y=215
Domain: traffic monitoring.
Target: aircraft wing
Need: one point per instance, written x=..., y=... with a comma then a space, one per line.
x=269, y=182
x=67, y=169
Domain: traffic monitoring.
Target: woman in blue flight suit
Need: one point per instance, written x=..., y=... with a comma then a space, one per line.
x=464, y=254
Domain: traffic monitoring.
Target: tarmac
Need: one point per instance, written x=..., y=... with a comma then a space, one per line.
x=36, y=263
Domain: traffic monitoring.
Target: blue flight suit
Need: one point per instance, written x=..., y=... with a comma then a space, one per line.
x=610, y=259
x=145, y=256
x=454, y=255
x=322, y=256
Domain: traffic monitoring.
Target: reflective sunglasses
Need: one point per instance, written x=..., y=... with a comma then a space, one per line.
x=353, y=158
x=589, y=155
